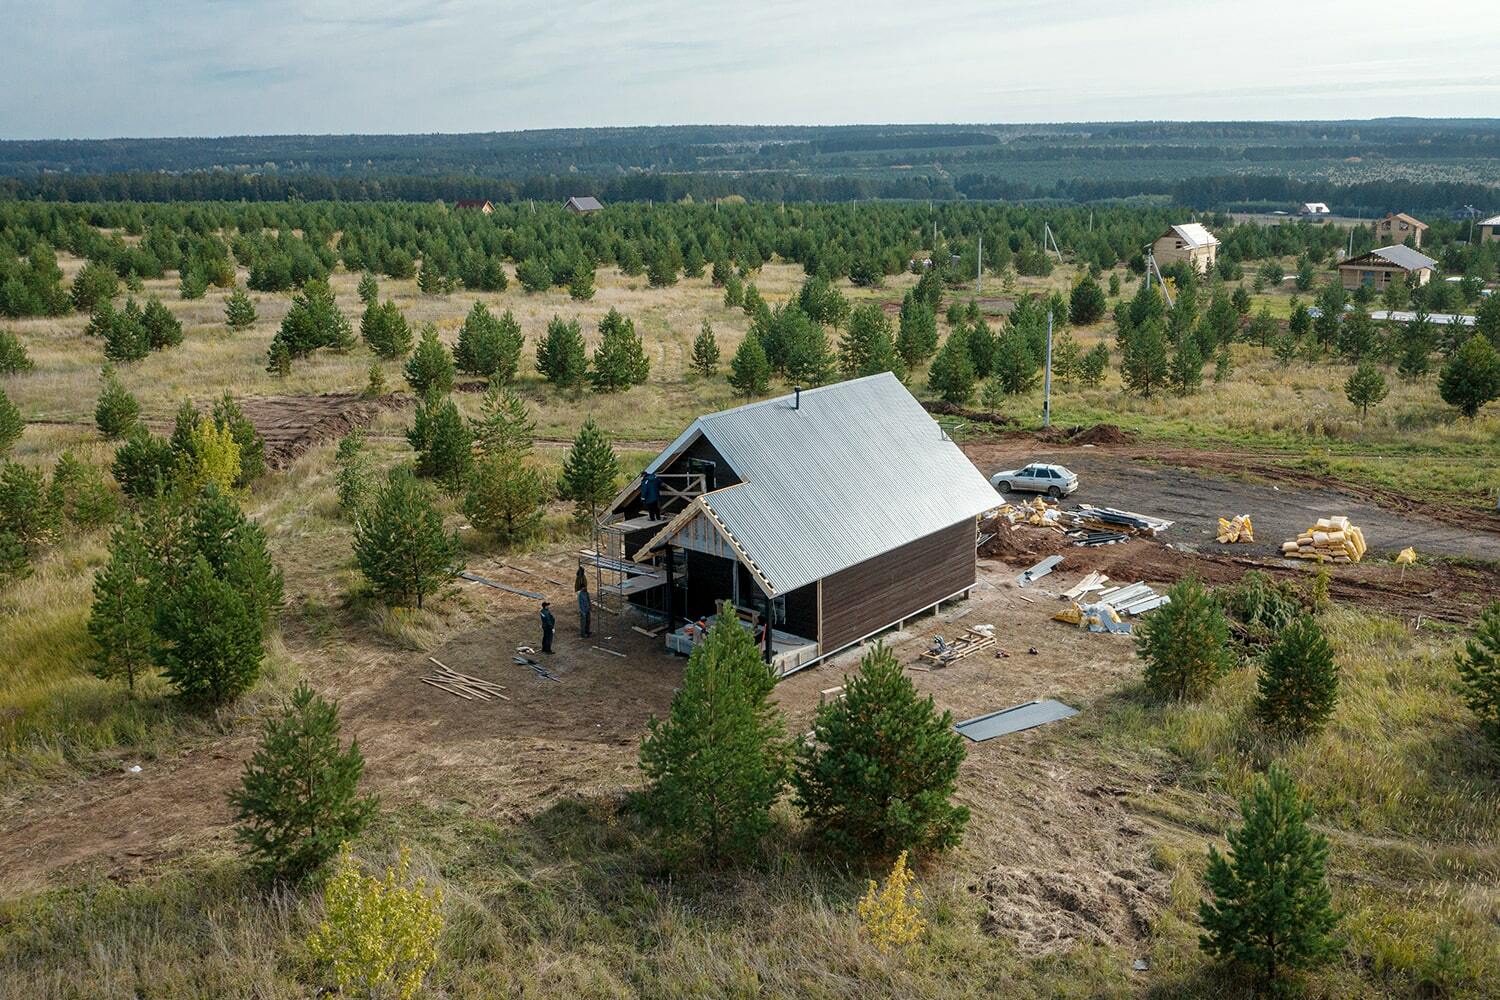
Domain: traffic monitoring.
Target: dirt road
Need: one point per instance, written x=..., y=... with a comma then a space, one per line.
x=1196, y=499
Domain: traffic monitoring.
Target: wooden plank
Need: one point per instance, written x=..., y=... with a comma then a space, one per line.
x=500, y=586
x=444, y=687
x=611, y=652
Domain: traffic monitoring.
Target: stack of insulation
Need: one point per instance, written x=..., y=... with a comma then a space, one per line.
x=1332, y=539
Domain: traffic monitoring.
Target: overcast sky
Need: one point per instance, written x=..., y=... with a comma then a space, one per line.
x=104, y=68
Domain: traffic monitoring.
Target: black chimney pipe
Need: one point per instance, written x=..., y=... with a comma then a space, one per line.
x=796, y=397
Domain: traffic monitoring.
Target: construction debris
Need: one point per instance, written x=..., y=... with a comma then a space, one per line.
x=1094, y=581
x=468, y=688
x=940, y=652
x=1038, y=571
x=1014, y=719
x=1236, y=529
x=1092, y=538
x=1104, y=613
x=537, y=668
x=1110, y=519
x=1038, y=513
x=1332, y=539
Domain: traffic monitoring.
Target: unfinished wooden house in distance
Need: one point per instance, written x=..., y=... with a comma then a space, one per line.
x=1188, y=242
x=1377, y=268
x=835, y=512
x=1398, y=227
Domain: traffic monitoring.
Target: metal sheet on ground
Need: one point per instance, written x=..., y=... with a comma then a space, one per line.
x=1013, y=719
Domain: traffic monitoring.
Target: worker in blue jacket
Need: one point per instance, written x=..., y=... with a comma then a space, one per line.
x=651, y=495
x=548, y=624
x=581, y=585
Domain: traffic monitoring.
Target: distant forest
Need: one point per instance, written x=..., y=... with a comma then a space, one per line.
x=1360, y=167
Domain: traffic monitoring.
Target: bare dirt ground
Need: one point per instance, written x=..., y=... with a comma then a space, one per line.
x=1041, y=809
x=290, y=425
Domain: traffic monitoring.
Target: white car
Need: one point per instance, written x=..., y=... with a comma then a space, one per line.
x=1053, y=480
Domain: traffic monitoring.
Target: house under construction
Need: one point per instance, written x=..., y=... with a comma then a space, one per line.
x=836, y=513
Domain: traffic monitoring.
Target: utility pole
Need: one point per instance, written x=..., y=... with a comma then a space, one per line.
x=979, y=267
x=1047, y=377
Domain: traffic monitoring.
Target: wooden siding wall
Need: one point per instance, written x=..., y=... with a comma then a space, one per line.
x=875, y=593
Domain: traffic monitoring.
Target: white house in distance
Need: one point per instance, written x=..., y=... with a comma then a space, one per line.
x=1313, y=208
x=1188, y=242
x=583, y=204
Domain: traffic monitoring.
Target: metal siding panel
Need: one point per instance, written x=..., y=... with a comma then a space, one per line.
x=1014, y=720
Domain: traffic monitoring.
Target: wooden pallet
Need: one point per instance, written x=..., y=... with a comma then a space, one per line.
x=968, y=644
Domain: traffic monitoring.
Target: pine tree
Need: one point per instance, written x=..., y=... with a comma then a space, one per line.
x=354, y=479
x=1331, y=302
x=1415, y=346
x=561, y=357
x=429, y=370
x=13, y=357
x=1144, y=368
x=718, y=762
x=208, y=642
x=374, y=383
x=368, y=290
x=706, y=352
x=1471, y=378
x=192, y=282
x=1186, y=374
x=121, y=620
x=12, y=424
x=534, y=274
x=581, y=284
x=1185, y=643
x=505, y=495
x=1271, y=911
x=734, y=291
x=1240, y=299
x=1479, y=672
x=1365, y=388
x=589, y=472
x=298, y=799
x=279, y=358
x=1066, y=357
x=1094, y=364
x=125, y=336
x=401, y=547
x=982, y=345
x=952, y=373
x=313, y=321
x=620, y=360
x=917, y=338
x=94, y=283
x=809, y=359
x=1356, y=337
x=215, y=527
x=1015, y=367
x=252, y=448
x=866, y=347
x=1299, y=681
x=143, y=464
x=239, y=311
x=25, y=511
x=749, y=371
x=878, y=776
x=1487, y=319
x=489, y=346
x=442, y=441
x=1086, y=306
x=385, y=331
x=504, y=425
x=752, y=302
x=79, y=494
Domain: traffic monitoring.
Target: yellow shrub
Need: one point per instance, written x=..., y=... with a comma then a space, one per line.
x=891, y=915
x=215, y=458
x=380, y=935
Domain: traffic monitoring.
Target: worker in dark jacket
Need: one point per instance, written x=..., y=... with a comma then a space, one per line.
x=581, y=585
x=548, y=624
x=651, y=495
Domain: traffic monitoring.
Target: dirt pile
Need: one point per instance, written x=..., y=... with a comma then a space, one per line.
x=1022, y=543
x=1045, y=911
x=1101, y=434
x=943, y=408
x=290, y=425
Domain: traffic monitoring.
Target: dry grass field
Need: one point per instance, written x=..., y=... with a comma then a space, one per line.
x=1086, y=849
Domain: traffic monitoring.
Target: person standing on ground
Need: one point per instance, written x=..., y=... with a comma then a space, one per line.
x=548, y=624
x=581, y=585
x=651, y=496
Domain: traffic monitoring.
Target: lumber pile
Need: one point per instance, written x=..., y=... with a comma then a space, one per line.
x=1236, y=529
x=940, y=652
x=445, y=678
x=1332, y=539
x=1108, y=519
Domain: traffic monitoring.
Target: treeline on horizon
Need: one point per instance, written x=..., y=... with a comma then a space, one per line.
x=1217, y=192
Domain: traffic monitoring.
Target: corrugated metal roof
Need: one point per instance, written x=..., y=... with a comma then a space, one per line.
x=1194, y=235
x=585, y=203
x=1493, y=220
x=858, y=469
x=1402, y=256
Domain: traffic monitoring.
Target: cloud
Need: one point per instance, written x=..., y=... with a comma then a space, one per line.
x=212, y=67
